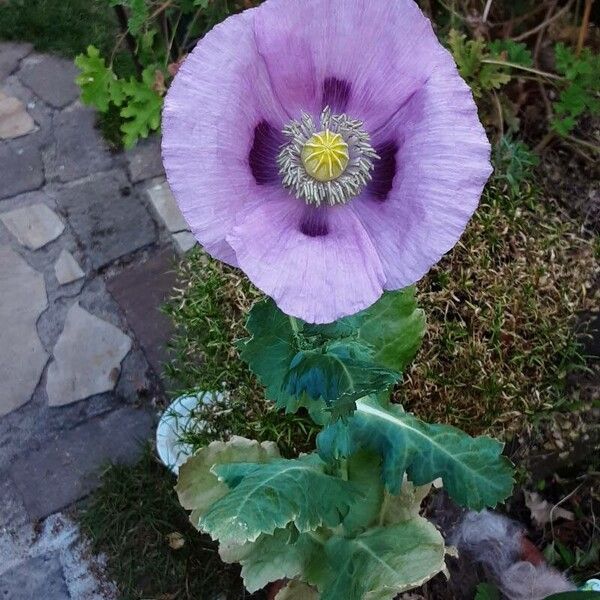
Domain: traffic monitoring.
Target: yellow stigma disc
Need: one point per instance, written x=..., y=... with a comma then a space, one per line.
x=325, y=156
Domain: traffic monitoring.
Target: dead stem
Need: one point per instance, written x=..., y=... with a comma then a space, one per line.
x=583, y=30
x=544, y=23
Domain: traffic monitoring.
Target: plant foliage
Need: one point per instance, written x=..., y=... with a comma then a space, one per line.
x=293, y=519
x=474, y=473
x=304, y=365
x=159, y=35
x=580, y=95
x=470, y=56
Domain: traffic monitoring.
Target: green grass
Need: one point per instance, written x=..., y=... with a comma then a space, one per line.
x=66, y=27
x=131, y=518
x=209, y=308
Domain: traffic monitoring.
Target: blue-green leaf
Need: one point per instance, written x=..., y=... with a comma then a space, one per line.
x=285, y=554
x=269, y=352
x=266, y=497
x=300, y=363
x=198, y=488
x=474, y=472
x=339, y=374
x=383, y=562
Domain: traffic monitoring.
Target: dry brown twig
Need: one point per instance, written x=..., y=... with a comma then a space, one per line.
x=545, y=23
x=486, y=11
x=540, y=37
x=585, y=23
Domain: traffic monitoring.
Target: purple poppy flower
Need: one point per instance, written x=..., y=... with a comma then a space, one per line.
x=328, y=148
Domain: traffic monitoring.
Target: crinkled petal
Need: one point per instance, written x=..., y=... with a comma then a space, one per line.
x=315, y=268
x=381, y=50
x=220, y=96
x=442, y=164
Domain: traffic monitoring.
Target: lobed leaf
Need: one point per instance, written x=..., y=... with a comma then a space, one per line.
x=383, y=562
x=580, y=95
x=474, y=472
x=300, y=363
x=198, y=488
x=142, y=108
x=469, y=56
x=266, y=497
x=99, y=85
x=514, y=52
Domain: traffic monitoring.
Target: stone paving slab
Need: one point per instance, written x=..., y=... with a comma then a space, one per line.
x=11, y=54
x=22, y=356
x=108, y=218
x=51, y=78
x=67, y=468
x=41, y=113
x=184, y=241
x=39, y=577
x=144, y=160
x=164, y=204
x=140, y=291
x=78, y=150
x=15, y=121
x=21, y=168
x=67, y=269
x=58, y=537
x=87, y=358
x=34, y=226
x=74, y=361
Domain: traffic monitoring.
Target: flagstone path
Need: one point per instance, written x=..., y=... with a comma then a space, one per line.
x=88, y=240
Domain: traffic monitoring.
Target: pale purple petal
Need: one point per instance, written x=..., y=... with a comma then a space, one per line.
x=382, y=50
x=318, y=267
x=442, y=164
x=219, y=98
x=378, y=61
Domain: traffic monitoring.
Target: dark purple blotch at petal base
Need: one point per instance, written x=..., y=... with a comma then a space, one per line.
x=336, y=94
x=314, y=222
x=384, y=172
x=263, y=154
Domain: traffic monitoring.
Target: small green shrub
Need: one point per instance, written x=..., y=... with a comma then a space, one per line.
x=159, y=34
x=581, y=92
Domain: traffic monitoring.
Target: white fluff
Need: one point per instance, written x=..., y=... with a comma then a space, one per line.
x=496, y=542
x=524, y=581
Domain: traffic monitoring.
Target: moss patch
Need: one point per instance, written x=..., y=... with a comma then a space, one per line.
x=500, y=310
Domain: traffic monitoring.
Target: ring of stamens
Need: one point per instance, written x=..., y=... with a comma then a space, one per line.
x=329, y=165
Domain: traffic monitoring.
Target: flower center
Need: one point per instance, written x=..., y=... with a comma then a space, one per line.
x=327, y=164
x=325, y=156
